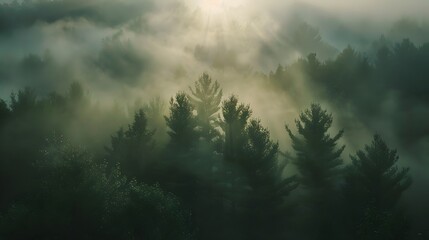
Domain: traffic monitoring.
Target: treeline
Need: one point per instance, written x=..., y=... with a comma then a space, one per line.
x=218, y=175
x=386, y=84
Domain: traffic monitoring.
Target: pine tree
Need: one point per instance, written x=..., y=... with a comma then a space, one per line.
x=318, y=161
x=4, y=112
x=76, y=92
x=235, y=118
x=155, y=111
x=206, y=97
x=317, y=157
x=269, y=187
x=132, y=148
x=182, y=123
x=262, y=165
x=374, y=185
x=25, y=100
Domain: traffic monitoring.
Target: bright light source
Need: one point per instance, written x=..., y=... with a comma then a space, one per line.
x=213, y=6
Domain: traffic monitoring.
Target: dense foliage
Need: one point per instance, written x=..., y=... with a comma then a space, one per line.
x=218, y=174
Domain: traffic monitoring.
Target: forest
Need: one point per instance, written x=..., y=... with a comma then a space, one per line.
x=207, y=169
x=212, y=119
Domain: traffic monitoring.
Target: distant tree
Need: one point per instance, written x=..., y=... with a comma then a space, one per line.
x=4, y=112
x=317, y=157
x=206, y=97
x=155, y=111
x=234, y=120
x=269, y=187
x=373, y=187
x=132, y=148
x=56, y=100
x=346, y=75
x=23, y=101
x=78, y=101
x=307, y=39
x=181, y=122
x=76, y=92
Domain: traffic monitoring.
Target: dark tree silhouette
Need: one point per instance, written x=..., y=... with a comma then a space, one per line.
x=317, y=157
x=155, y=111
x=269, y=187
x=181, y=122
x=206, y=97
x=234, y=121
x=24, y=101
x=318, y=161
x=77, y=199
x=132, y=148
x=4, y=112
x=76, y=92
x=374, y=185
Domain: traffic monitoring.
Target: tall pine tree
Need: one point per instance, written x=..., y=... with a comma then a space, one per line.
x=317, y=156
x=235, y=118
x=374, y=185
x=206, y=97
x=181, y=122
x=132, y=148
x=318, y=163
x=269, y=187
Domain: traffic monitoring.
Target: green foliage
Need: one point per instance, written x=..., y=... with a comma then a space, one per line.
x=383, y=225
x=24, y=100
x=266, y=208
x=318, y=162
x=132, y=149
x=362, y=85
x=375, y=170
x=238, y=192
x=77, y=199
x=4, y=112
x=76, y=92
x=317, y=157
x=373, y=187
x=264, y=170
x=182, y=123
x=206, y=97
x=234, y=121
x=155, y=111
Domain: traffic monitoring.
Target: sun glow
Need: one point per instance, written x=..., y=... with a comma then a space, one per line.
x=212, y=6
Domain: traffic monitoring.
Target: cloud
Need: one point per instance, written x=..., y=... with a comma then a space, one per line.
x=129, y=48
x=112, y=13
x=121, y=60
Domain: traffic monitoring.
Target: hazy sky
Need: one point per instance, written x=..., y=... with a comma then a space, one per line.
x=127, y=49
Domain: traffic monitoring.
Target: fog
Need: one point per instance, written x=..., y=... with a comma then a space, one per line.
x=126, y=52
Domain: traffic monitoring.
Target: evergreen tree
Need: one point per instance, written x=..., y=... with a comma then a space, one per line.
x=76, y=198
x=76, y=93
x=318, y=161
x=264, y=169
x=235, y=118
x=155, y=111
x=317, y=157
x=206, y=97
x=4, y=112
x=182, y=123
x=269, y=187
x=132, y=148
x=374, y=185
x=25, y=100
